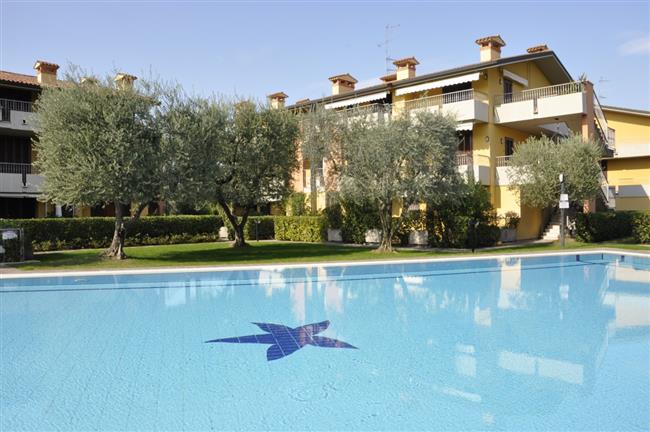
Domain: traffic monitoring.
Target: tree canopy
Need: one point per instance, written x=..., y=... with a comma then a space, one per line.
x=537, y=163
x=240, y=154
x=99, y=144
x=403, y=161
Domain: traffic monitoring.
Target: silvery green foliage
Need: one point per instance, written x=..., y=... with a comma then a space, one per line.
x=537, y=163
x=234, y=153
x=98, y=144
x=404, y=160
x=320, y=128
x=260, y=154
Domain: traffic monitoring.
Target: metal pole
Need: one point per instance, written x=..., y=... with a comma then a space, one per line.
x=563, y=219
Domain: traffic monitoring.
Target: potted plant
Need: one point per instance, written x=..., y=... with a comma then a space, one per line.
x=509, y=229
x=334, y=217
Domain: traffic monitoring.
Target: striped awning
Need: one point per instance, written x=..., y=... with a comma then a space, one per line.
x=465, y=126
x=357, y=100
x=437, y=84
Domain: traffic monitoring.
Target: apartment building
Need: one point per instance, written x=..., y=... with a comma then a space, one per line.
x=19, y=181
x=498, y=102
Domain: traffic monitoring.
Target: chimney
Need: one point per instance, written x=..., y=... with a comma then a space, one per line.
x=536, y=49
x=89, y=80
x=406, y=68
x=46, y=72
x=342, y=84
x=124, y=80
x=276, y=100
x=490, y=47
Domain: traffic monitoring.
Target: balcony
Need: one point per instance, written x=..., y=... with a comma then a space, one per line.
x=544, y=103
x=19, y=180
x=16, y=115
x=503, y=169
x=373, y=112
x=465, y=162
x=466, y=105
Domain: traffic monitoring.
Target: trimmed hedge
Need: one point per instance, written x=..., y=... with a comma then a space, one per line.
x=602, y=226
x=611, y=225
x=641, y=227
x=97, y=232
x=265, y=228
x=301, y=228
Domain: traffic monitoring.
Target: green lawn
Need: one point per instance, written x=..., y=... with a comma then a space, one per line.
x=202, y=254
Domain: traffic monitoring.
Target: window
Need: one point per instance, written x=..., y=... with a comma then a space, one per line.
x=507, y=90
x=464, y=141
x=510, y=146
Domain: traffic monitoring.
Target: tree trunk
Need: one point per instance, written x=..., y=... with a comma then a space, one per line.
x=116, y=249
x=313, y=195
x=237, y=226
x=385, y=217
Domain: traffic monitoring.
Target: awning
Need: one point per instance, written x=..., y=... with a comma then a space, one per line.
x=356, y=101
x=437, y=84
x=513, y=76
x=465, y=126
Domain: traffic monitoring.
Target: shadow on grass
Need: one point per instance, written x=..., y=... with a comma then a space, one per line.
x=258, y=252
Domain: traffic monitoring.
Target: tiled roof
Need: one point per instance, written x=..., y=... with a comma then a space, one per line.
x=406, y=61
x=344, y=77
x=19, y=78
x=495, y=39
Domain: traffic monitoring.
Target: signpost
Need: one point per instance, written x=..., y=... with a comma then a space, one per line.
x=564, y=204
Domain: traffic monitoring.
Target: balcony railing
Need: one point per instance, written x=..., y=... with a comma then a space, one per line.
x=463, y=158
x=540, y=93
x=8, y=105
x=447, y=98
x=17, y=168
x=601, y=124
x=502, y=161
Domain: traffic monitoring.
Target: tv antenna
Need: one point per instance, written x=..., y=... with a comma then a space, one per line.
x=387, y=40
x=600, y=81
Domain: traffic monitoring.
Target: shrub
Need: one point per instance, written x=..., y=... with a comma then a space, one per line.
x=602, y=226
x=511, y=220
x=413, y=220
x=265, y=226
x=296, y=204
x=97, y=232
x=334, y=216
x=357, y=219
x=449, y=221
x=301, y=228
x=641, y=227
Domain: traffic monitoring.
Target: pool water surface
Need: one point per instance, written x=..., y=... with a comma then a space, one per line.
x=558, y=342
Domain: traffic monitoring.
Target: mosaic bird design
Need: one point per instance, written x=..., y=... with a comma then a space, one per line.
x=286, y=340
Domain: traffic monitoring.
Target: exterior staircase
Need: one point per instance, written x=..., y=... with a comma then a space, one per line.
x=552, y=231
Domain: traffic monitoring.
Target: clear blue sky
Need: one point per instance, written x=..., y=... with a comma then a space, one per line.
x=253, y=49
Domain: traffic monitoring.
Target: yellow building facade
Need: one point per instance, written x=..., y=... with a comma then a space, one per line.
x=498, y=102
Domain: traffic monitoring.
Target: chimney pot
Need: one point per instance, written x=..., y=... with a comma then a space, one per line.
x=276, y=100
x=342, y=84
x=490, y=47
x=46, y=72
x=537, y=48
x=405, y=68
x=124, y=80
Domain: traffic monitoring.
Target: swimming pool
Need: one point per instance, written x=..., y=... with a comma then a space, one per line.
x=557, y=342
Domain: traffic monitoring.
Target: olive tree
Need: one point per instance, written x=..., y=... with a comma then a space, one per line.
x=239, y=154
x=400, y=162
x=99, y=143
x=319, y=128
x=538, y=162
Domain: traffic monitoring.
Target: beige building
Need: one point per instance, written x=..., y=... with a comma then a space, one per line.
x=500, y=101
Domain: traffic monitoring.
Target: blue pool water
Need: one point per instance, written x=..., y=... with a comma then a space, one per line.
x=538, y=343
